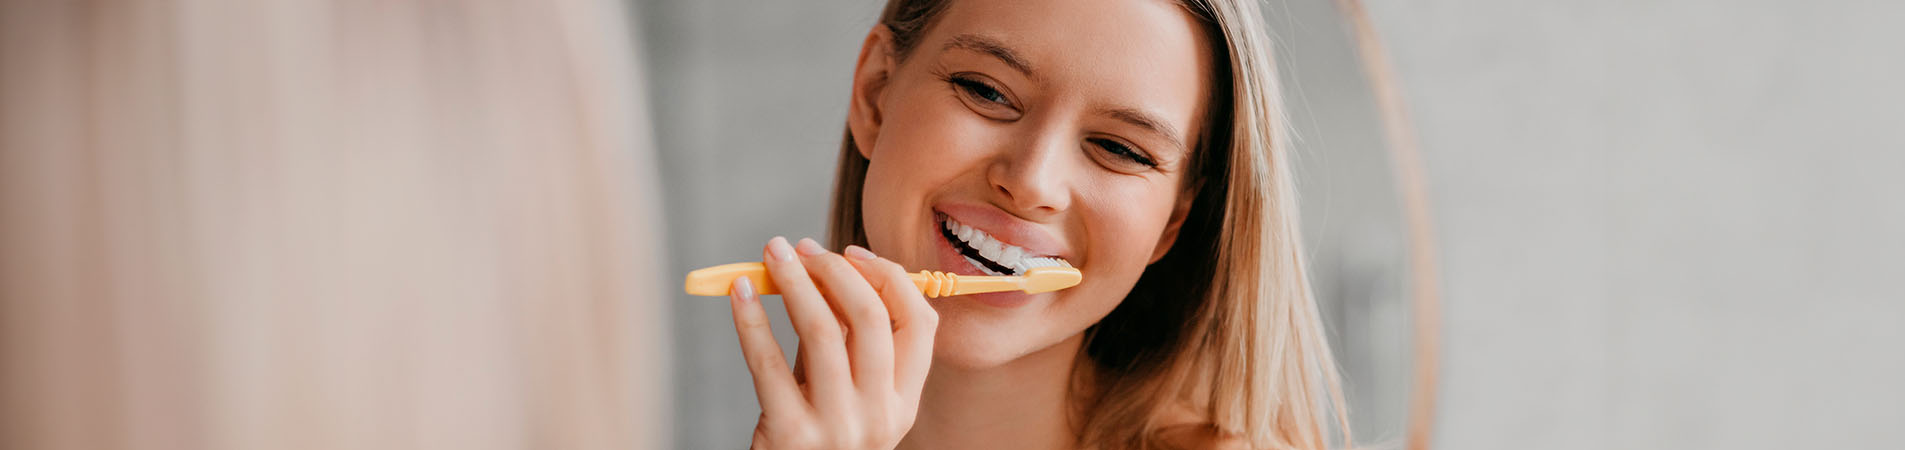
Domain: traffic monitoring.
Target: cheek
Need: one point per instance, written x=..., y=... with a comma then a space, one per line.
x=924, y=151
x=924, y=135
x=1130, y=220
x=1122, y=221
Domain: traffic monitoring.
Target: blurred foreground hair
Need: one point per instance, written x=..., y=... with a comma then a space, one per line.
x=288, y=225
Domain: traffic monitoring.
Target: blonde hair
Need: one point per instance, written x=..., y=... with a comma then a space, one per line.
x=1225, y=322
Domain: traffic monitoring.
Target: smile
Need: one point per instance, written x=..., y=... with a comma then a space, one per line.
x=992, y=255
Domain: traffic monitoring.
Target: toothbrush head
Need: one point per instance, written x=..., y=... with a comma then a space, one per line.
x=1048, y=279
x=1026, y=264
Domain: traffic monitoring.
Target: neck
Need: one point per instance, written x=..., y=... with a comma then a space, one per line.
x=1024, y=403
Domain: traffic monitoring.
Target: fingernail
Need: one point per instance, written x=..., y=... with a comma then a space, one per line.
x=777, y=248
x=810, y=248
x=743, y=290
x=855, y=252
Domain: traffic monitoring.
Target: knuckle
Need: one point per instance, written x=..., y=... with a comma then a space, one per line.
x=902, y=284
x=788, y=274
x=892, y=267
x=776, y=263
x=898, y=416
x=929, y=318
x=872, y=311
x=832, y=264
x=835, y=272
x=816, y=324
x=769, y=363
x=754, y=323
x=905, y=424
x=824, y=334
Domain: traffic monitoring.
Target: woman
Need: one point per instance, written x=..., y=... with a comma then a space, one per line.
x=1141, y=141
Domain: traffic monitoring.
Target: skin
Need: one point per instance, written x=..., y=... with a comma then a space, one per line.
x=1018, y=117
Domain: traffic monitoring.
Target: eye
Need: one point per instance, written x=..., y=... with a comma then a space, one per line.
x=981, y=95
x=1124, y=152
x=980, y=91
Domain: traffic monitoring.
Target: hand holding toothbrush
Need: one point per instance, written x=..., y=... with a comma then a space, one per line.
x=866, y=341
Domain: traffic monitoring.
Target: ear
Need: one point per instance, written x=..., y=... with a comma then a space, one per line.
x=870, y=75
x=1178, y=214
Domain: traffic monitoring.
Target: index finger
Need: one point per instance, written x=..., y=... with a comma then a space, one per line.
x=914, y=320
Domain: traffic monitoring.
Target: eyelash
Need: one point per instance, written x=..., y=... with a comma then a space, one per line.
x=979, y=90
x=1124, y=152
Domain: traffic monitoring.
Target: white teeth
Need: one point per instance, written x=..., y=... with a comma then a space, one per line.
x=983, y=268
x=1011, y=254
x=1006, y=255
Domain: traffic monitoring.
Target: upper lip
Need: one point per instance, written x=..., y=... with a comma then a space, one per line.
x=1007, y=228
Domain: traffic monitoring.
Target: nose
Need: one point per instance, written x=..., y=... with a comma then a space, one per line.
x=1033, y=179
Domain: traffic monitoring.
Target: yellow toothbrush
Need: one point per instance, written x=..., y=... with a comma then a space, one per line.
x=716, y=280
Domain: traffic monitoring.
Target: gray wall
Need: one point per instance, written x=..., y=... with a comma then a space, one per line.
x=749, y=102
x=1665, y=224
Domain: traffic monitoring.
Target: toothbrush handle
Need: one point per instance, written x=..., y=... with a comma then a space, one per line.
x=942, y=284
x=714, y=281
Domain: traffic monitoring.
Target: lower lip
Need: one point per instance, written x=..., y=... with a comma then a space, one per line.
x=951, y=261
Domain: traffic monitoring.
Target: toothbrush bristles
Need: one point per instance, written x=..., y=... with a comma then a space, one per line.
x=1027, y=264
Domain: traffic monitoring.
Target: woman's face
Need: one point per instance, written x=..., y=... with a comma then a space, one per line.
x=1038, y=128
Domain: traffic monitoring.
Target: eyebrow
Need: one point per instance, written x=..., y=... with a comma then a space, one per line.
x=992, y=47
x=1146, y=121
x=997, y=49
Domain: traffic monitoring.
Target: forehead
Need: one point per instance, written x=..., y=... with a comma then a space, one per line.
x=1143, y=54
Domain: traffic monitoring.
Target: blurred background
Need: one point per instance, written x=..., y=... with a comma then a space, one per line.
x=234, y=224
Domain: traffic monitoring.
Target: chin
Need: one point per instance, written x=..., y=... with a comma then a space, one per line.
x=962, y=343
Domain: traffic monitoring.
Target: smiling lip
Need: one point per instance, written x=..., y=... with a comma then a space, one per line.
x=950, y=260
x=1017, y=233
x=1006, y=228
